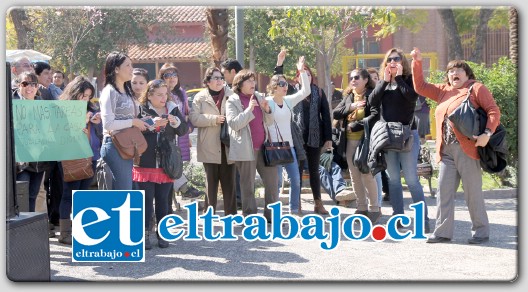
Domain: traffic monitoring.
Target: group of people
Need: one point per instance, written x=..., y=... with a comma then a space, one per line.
x=297, y=112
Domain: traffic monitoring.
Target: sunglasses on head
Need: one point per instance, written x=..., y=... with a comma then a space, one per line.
x=157, y=82
x=282, y=83
x=26, y=83
x=169, y=75
x=217, y=78
x=395, y=59
x=355, y=77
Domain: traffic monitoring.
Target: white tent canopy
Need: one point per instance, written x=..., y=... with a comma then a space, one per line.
x=32, y=55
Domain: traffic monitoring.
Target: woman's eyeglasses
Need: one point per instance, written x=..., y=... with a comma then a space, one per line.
x=355, y=77
x=282, y=83
x=395, y=59
x=217, y=78
x=170, y=75
x=26, y=83
x=455, y=70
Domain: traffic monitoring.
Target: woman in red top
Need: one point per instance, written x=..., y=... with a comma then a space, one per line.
x=457, y=154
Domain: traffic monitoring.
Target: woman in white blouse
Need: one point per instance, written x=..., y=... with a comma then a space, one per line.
x=281, y=106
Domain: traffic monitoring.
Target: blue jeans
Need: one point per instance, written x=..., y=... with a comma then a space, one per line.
x=379, y=183
x=34, y=179
x=121, y=168
x=408, y=162
x=332, y=183
x=295, y=181
x=68, y=187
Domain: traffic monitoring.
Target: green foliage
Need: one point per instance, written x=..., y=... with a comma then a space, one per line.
x=467, y=20
x=501, y=80
x=79, y=39
x=257, y=23
x=195, y=174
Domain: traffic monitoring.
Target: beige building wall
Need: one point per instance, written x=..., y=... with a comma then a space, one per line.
x=431, y=38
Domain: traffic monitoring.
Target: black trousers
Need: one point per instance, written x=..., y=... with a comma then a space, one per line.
x=53, y=185
x=223, y=174
x=313, y=155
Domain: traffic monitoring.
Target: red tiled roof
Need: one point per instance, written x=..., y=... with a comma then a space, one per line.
x=180, y=49
x=180, y=13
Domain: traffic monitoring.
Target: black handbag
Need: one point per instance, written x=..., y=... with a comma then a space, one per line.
x=400, y=137
x=360, y=159
x=170, y=157
x=465, y=117
x=277, y=153
x=224, y=134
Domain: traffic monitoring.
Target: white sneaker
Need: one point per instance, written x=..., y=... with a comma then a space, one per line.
x=345, y=195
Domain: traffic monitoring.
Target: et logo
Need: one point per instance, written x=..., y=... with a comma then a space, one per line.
x=108, y=226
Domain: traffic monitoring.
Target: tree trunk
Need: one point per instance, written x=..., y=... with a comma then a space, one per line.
x=454, y=45
x=481, y=36
x=513, y=23
x=23, y=29
x=217, y=26
x=252, y=58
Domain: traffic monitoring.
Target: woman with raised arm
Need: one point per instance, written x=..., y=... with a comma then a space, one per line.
x=457, y=154
x=281, y=105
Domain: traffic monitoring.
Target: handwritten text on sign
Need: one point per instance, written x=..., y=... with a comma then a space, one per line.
x=50, y=130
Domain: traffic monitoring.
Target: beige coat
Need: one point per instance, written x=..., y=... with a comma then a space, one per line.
x=239, y=133
x=203, y=116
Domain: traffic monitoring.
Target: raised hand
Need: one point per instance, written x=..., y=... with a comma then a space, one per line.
x=416, y=54
x=281, y=57
x=300, y=64
x=399, y=69
x=387, y=73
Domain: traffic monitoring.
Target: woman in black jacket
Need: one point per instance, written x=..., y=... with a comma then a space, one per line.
x=352, y=110
x=396, y=97
x=314, y=113
x=167, y=122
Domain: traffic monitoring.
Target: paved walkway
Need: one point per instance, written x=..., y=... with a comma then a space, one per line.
x=300, y=260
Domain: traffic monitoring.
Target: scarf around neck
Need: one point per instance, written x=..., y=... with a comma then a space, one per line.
x=313, y=127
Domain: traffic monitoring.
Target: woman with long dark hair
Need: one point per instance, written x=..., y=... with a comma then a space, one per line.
x=118, y=111
x=79, y=89
x=314, y=113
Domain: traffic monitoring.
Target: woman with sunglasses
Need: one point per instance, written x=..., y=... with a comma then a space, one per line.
x=150, y=176
x=281, y=106
x=457, y=154
x=170, y=74
x=32, y=172
x=352, y=111
x=208, y=113
x=395, y=96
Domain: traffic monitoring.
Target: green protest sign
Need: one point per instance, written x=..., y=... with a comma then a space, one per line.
x=50, y=130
